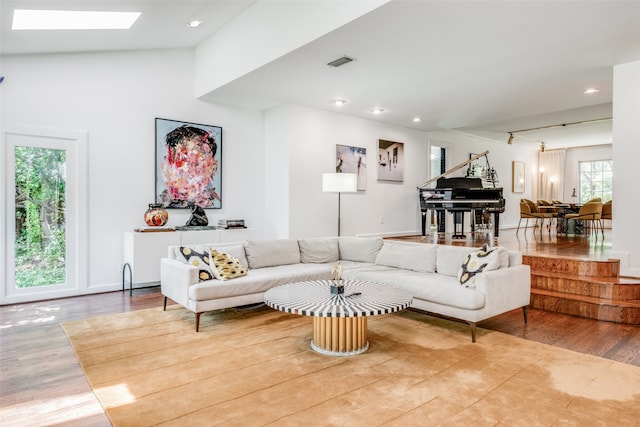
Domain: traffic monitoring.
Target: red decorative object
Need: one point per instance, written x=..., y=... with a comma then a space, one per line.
x=156, y=215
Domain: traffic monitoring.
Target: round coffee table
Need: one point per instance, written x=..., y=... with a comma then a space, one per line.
x=339, y=320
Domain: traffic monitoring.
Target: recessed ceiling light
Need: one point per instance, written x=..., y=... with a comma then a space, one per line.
x=377, y=110
x=592, y=90
x=417, y=119
x=72, y=20
x=339, y=102
x=194, y=24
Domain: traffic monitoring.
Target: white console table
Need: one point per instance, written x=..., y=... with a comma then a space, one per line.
x=143, y=250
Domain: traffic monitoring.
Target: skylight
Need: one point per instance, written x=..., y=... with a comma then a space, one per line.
x=72, y=20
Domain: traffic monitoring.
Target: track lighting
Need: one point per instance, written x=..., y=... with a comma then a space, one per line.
x=510, y=140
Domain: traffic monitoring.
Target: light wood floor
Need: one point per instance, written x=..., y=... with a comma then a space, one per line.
x=41, y=382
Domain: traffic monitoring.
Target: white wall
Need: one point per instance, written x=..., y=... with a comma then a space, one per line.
x=306, y=140
x=626, y=134
x=115, y=97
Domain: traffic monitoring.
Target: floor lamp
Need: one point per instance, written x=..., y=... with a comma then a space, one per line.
x=339, y=183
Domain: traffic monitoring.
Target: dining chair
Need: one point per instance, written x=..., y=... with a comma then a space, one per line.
x=528, y=210
x=590, y=212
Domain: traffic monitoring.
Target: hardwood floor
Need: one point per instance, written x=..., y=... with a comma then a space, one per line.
x=42, y=383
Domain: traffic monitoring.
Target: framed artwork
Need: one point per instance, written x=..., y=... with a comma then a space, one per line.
x=188, y=165
x=352, y=160
x=477, y=168
x=517, y=177
x=390, y=160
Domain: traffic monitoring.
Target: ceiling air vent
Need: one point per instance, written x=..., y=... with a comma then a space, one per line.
x=340, y=61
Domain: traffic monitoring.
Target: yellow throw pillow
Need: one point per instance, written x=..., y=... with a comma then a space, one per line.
x=225, y=266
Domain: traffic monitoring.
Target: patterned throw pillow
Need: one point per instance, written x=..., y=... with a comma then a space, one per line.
x=484, y=259
x=225, y=266
x=198, y=259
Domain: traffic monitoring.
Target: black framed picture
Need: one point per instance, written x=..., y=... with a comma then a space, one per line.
x=188, y=164
x=390, y=160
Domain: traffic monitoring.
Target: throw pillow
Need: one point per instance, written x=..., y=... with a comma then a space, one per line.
x=484, y=259
x=225, y=266
x=198, y=259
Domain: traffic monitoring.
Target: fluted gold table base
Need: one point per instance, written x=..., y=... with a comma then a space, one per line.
x=340, y=336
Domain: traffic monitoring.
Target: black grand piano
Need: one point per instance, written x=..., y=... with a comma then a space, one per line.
x=458, y=195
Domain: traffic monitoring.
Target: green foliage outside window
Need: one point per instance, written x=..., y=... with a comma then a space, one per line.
x=596, y=180
x=40, y=216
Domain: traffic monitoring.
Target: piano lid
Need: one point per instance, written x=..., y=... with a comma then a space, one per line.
x=488, y=176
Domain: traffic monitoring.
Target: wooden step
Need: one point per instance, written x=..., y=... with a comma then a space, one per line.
x=616, y=288
x=609, y=310
x=575, y=266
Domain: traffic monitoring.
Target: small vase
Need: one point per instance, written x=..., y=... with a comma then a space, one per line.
x=156, y=215
x=337, y=287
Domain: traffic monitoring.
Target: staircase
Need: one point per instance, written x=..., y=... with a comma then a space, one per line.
x=585, y=288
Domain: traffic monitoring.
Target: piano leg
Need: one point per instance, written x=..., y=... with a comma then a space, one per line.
x=458, y=219
x=496, y=224
x=424, y=222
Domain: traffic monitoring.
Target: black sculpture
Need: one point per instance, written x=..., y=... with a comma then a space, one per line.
x=198, y=217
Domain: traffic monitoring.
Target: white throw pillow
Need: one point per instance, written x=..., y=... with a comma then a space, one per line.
x=268, y=253
x=362, y=249
x=417, y=257
x=484, y=259
x=319, y=250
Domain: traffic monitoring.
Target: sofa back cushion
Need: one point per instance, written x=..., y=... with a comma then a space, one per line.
x=417, y=257
x=269, y=253
x=450, y=258
x=319, y=250
x=361, y=249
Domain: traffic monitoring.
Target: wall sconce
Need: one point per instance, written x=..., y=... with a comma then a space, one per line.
x=339, y=183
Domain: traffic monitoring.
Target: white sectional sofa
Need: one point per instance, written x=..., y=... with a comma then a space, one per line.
x=430, y=272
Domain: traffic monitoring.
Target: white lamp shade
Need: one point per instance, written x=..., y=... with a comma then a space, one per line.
x=339, y=182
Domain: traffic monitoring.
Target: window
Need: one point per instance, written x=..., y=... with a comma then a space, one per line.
x=595, y=180
x=43, y=253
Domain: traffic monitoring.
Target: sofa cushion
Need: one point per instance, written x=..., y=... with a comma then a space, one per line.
x=484, y=259
x=450, y=258
x=319, y=250
x=417, y=257
x=235, y=250
x=259, y=280
x=196, y=257
x=362, y=249
x=436, y=288
x=269, y=253
x=225, y=266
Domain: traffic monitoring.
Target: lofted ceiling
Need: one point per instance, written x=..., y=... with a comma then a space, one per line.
x=479, y=68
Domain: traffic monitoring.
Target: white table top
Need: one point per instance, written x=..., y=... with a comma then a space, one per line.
x=360, y=298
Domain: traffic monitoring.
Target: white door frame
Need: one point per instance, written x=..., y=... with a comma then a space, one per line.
x=75, y=143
